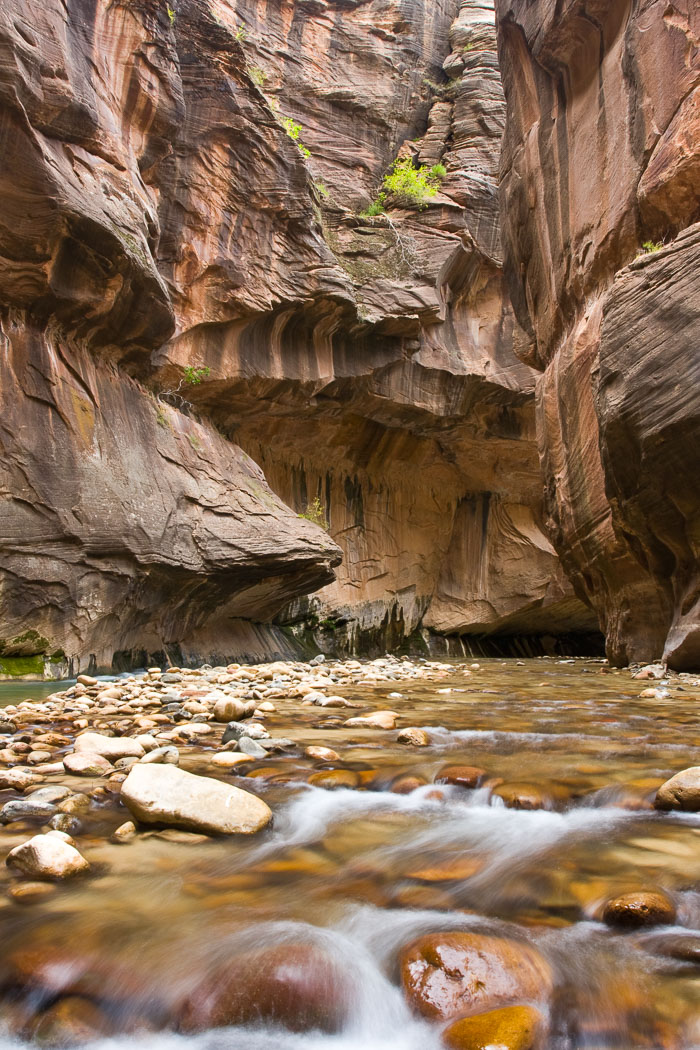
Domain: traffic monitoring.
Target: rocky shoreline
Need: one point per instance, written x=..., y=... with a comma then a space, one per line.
x=105, y=764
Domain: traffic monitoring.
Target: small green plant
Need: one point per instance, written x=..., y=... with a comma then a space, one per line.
x=194, y=442
x=407, y=186
x=258, y=76
x=241, y=33
x=171, y=15
x=161, y=418
x=314, y=512
x=294, y=131
x=321, y=189
x=652, y=246
x=375, y=208
x=191, y=377
x=194, y=376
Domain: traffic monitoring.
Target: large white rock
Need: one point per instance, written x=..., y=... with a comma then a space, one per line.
x=47, y=857
x=164, y=794
x=109, y=746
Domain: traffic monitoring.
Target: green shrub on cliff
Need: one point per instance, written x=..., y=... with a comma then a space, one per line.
x=294, y=131
x=407, y=186
x=314, y=512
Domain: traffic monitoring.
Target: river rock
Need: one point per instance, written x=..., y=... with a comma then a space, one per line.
x=324, y=754
x=165, y=794
x=30, y=892
x=228, y=708
x=510, y=1028
x=236, y=730
x=230, y=759
x=86, y=764
x=66, y=823
x=517, y=795
x=375, y=720
x=643, y=908
x=296, y=985
x=414, y=736
x=682, y=791
x=168, y=754
x=447, y=975
x=126, y=832
x=331, y=779
x=47, y=857
x=51, y=793
x=18, y=779
x=250, y=747
x=70, y=1021
x=108, y=746
x=460, y=776
x=26, y=809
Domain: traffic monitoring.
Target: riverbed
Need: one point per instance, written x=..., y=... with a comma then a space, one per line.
x=561, y=821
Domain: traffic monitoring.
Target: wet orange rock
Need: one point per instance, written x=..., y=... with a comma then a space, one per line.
x=460, y=776
x=682, y=791
x=454, y=868
x=639, y=909
x=512, y=1028
x=406, y=783
x=523, y=796
x=446, y=975
x=335, y=778
x=297, y=985
x=69, y=1021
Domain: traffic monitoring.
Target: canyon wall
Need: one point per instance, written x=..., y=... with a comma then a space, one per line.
x=158, y=218
x=601, y=226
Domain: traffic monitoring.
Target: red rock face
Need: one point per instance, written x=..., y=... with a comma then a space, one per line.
x=600, y=165
x=157, y=216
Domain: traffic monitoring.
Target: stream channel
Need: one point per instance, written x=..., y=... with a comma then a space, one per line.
x=353, y=875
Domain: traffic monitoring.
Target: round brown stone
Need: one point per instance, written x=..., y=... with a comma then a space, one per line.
x=639, y=909
x=446, y=975
x=298, y=985
x=460, y=776
x=511, y=1028
x=518, y=795
x=335, y=778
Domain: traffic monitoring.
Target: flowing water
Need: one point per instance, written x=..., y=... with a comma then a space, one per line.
x=358, y=873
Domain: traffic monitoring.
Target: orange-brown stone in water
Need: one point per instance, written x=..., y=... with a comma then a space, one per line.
x=406, y=783
x=512, y=1028
x=639, y=909
x=297, y=985
x=445, y=871
x=69, y=1021
x=446, y=975
x=523, y=796
x=460, y=776
x=335, y=778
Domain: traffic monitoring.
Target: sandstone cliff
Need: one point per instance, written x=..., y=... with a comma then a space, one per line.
x=601, y=206
x=157, y=216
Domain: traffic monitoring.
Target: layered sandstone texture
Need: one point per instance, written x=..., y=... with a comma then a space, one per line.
x=158, y=217
x=390, y=393
x=126, y=526
x=601, y=227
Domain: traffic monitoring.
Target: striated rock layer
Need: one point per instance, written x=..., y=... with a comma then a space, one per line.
x=157, y=217
x=601, y=213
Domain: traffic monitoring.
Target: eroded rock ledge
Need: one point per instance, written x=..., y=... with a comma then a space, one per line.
x=157, y=216
x=601, y=205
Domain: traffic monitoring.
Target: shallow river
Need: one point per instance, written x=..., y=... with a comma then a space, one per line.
x=358, y=873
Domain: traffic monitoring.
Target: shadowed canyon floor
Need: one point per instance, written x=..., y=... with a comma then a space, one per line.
x=515, y=831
